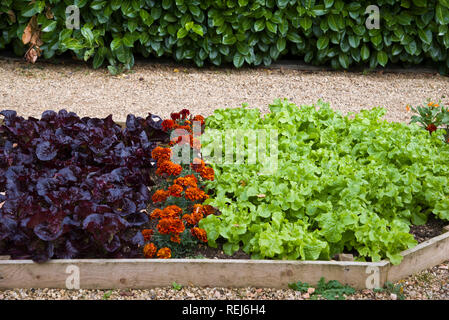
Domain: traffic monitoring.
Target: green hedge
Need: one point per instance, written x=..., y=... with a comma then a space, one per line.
x=241, y=32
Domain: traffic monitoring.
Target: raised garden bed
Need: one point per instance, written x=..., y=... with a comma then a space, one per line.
x=287, y=221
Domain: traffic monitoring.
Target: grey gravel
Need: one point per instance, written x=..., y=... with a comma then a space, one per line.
x=161, y=89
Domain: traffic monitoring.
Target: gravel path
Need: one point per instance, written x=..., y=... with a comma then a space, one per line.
x=430, y=284
x=161, y=89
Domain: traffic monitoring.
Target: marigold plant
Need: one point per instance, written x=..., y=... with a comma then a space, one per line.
x=431, y=116
x=181, y=191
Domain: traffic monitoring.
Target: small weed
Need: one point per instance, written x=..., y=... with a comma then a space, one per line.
x=176, y=286
x=332, y=290
x=107, y=295
x=397, y=289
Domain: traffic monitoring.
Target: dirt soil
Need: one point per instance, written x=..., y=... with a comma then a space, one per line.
x=433, y=227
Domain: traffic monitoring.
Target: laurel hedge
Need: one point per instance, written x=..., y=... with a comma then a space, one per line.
x=253, y=32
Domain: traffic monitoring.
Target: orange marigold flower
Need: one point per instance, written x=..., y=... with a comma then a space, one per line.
x=167, y=124
x=147, y=233
x=156, y=214
x=176, y=190
x=160, y=196
x=199, y=233
x=199, y=118
x=164, y=253
x=195, y=194
x=198, y=165
x=207, y=173
x=196, y=216
x=187, y=181
x=170, y=226
x=175, y=238
x=169, y=168
x=407, y=107
x=172, y=211
x=161, y=154
x=149, y=250
x=189, y=219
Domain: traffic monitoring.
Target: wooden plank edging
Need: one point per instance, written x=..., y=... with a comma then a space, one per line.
x=148, y=273
x=425, y=255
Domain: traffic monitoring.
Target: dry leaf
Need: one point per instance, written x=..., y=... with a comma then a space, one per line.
x=29, y=31
x=49, y=14
x=175, y=70
x=26, y=37
x=12, y=16
x=32, y=54
x=36, y=40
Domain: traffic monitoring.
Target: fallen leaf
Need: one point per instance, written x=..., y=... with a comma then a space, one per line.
x=175, y=70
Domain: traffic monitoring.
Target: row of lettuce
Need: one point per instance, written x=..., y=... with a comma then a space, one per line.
x=297, y=183
x=239, y=32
